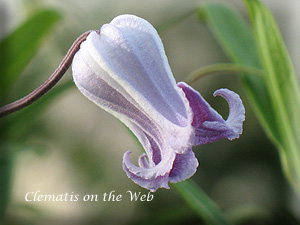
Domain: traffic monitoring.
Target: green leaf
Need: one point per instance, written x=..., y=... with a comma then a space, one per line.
x=18, y=48
x=235, y=36
x=201, y=203
x=282, y=85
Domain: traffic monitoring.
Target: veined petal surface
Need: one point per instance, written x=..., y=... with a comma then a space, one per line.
x=124, y=70
x=209, y=125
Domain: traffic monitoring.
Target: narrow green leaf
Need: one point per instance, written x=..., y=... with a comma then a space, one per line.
x=282, y=85
x=201, y=203
x=235, y=36
x=18, y=48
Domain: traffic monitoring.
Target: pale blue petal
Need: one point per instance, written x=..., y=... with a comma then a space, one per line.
x=124, y=70
x=184, y=166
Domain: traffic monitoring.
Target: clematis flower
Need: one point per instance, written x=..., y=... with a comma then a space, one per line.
x=124, y=70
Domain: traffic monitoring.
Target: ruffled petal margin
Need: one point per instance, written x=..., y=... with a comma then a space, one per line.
x=184, y=166
x=148, y=178
x=125, y=71
x=209, y=125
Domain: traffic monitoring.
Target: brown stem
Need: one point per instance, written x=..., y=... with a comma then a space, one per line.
x=48, y=84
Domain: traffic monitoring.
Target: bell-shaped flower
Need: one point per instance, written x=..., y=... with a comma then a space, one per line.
x=124, y=70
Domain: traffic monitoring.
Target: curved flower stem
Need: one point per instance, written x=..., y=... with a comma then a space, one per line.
x=48, y=84
x=196, y=198
x=222, y=68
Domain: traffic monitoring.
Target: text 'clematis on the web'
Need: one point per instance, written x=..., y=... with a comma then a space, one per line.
x=124, y=70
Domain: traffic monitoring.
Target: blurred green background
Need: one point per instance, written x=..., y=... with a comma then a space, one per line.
x=74, y=146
